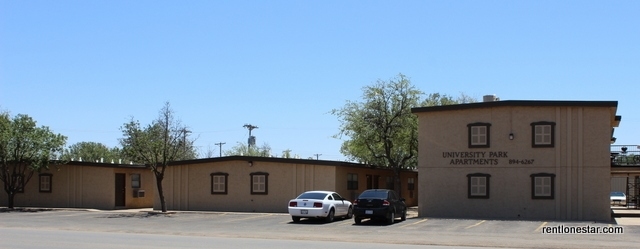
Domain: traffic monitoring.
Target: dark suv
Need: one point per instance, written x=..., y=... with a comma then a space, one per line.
x=379, y=204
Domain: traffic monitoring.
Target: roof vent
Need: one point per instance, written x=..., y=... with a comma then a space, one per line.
x=490, y=98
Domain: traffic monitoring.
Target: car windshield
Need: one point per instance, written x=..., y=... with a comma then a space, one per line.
x=314, y=196
x=617, y=194
x=373, y=194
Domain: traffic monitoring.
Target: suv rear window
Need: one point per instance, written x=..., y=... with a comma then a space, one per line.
x=373, y=194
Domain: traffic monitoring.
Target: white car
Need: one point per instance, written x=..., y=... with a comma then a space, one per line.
x=618, y=198
x=320, y=204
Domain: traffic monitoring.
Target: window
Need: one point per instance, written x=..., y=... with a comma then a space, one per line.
x=45, y=183
x=543, y=134
x=389, y=182
x=18, y=183
x=479, y=135
x=352, y=181
x=135, y=181
x=542, y=186
x=478, y=185
x=372, y=181
x=411, y=185
x=219, y=183
x=337, y=197
x=259, y=183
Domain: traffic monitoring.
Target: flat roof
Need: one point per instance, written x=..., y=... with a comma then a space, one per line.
x=506, y=103
x=282, y=160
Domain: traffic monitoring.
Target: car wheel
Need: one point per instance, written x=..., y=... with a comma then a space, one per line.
x=350, y=213
x=330, y=216
x=404, y=215
x=358, y=220
x=295, y=218
x=392, y=217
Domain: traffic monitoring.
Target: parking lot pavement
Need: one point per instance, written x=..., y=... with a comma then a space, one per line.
x=414, y=230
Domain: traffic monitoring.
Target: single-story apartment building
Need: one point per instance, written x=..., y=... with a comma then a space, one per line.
x=234, y=183
x=93, y=185
x=266, y=184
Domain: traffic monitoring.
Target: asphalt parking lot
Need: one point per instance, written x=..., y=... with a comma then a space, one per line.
x=415, y=230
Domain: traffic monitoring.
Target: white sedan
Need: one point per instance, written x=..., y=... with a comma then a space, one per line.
x=320, y=204
x=618, y=198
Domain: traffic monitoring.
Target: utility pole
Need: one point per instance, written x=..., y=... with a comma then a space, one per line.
x=317, y=156
x=220, y=144
x=185, y=132
x=250, y=128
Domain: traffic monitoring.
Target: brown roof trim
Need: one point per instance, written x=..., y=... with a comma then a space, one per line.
x=93, y=164
x=503, y=103
x=227, y=159
x=278, y=160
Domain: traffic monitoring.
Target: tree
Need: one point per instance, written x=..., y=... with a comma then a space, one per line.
x=156, y=145
x=24, y=149
x=381, y=129
x=243, y=150
x=209, y=153
x=92, y=152
x=435, y=99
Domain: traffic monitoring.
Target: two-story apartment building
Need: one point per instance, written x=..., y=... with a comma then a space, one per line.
x=516, y=159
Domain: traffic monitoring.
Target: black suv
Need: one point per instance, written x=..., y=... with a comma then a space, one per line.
x=379, y=204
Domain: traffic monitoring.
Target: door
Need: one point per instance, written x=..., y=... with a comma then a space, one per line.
x=120, y=190
x=340, y=205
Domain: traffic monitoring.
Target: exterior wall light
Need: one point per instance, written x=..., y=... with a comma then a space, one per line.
x=511, y=136
x=250, y=163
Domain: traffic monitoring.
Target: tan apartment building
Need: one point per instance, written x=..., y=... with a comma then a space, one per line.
x=236, y=183
x=265, y=184
x=516, y=159
x=87, y=185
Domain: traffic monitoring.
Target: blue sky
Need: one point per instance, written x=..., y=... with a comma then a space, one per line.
x=84, y=68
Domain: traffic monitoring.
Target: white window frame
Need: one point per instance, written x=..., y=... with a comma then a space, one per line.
x=478, y=135
x=542, y=186
x=478, y=186
x=542, y=134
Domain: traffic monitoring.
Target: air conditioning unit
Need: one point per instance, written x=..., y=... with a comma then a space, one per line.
x=138, y=193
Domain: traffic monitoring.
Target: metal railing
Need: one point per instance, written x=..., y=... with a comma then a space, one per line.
x=625, y=155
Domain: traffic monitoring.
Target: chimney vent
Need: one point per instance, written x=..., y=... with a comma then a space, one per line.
x=490, y=98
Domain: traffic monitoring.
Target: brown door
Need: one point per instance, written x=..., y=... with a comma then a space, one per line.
x=120, y=190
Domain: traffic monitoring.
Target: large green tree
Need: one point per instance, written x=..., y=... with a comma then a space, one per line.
x=93, y=152
x=156, y=145
x=24, y=150
x=380, y=129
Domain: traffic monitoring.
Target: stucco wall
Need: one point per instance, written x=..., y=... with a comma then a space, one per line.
x=81, y=186
x=579, y=160
x=188, y=187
